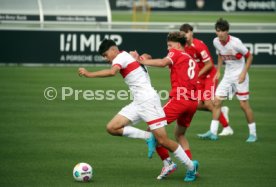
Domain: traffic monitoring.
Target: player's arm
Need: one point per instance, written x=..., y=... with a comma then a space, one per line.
x=102, y=73
x=162, y=62
x=138, y=57
x=220, y=61
x=204, y=53
x=249, y=59
x=208, y=65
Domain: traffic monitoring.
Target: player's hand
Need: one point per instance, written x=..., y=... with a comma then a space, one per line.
x=134, y=54
x=145, y=56
x=82, y=72
x=242, y=77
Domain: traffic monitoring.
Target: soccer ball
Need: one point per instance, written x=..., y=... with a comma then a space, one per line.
x=83, y=172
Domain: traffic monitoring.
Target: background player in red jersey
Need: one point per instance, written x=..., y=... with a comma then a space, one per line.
x=183, y=102
x=206, y=80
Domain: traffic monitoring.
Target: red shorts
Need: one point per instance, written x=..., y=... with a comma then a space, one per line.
x=180, y=110
x=206, y=88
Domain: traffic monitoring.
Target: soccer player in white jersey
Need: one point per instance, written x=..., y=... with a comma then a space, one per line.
x=232, y=51
x=145, y=106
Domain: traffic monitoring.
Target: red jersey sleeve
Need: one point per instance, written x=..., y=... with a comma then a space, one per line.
x=172, y=55
x=203, y=51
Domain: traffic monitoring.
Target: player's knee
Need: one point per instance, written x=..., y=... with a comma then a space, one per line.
x=209, y=105
x=162, y=141
x=217, y=103
x=110, y=129
x=178, y=135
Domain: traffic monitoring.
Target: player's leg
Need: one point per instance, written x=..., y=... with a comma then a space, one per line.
x=243, y=96
x=250, y=119
x=168, y=165
x=182, y=140
x=220, y=95
x=245, y=106
x=212, y=133
x=189, y=108
x=163, y=140
x=206, y=97
x=223, y=118
x=116, y=125
x=201, y=106
x=209, y=95
x=120, y=126
x=157, y=127
x=183, y=122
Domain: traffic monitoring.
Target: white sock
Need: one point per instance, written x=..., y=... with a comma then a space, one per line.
x=168, y=161
x=132, y=132
x=252, y=128
x=180, y=154
x=214, y=127
x=227, y=128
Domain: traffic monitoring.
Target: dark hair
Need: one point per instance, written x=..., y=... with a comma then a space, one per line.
x=222, y=25
x=105, y=45
x=186, y=28
x=177, y=37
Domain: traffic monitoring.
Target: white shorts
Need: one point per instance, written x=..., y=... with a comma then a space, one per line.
x=229, y=87
x=150, y=111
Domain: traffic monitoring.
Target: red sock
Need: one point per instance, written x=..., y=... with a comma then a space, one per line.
x=222, y=120
x=162, y=152
x=188, y=153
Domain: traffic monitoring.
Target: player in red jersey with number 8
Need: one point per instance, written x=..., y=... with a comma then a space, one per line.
x=183, y=102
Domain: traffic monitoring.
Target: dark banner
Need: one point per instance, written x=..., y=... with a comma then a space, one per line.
x=81, y=47
x=18, y=17
x=74, y=18
x=61, y=18
x=199, y=5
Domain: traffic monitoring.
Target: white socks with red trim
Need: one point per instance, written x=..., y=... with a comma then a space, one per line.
x=252, y=128
x=214, y=127
x=180, y=154
x=132, y=132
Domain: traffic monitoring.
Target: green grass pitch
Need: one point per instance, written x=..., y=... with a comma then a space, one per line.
x=41, y=140
x=198, y=17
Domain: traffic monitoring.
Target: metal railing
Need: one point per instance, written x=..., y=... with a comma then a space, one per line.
x=133, y=26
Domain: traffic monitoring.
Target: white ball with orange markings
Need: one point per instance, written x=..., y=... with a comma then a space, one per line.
x=83, y=172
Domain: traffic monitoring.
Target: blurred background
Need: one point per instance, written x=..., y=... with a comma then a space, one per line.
x=70, y=31
x=42, y=44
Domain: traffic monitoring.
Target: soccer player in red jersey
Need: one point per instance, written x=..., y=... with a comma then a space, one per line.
x=183, y=102
x=206, y=80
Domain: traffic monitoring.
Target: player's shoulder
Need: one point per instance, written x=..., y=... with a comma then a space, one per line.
x=216, y=40
x=199, y=44
x=177, y=54
x=123, y=54
x=235, y=39
x=173, y=52
x=197, y=41
x=216, y=43
x=123, y=57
